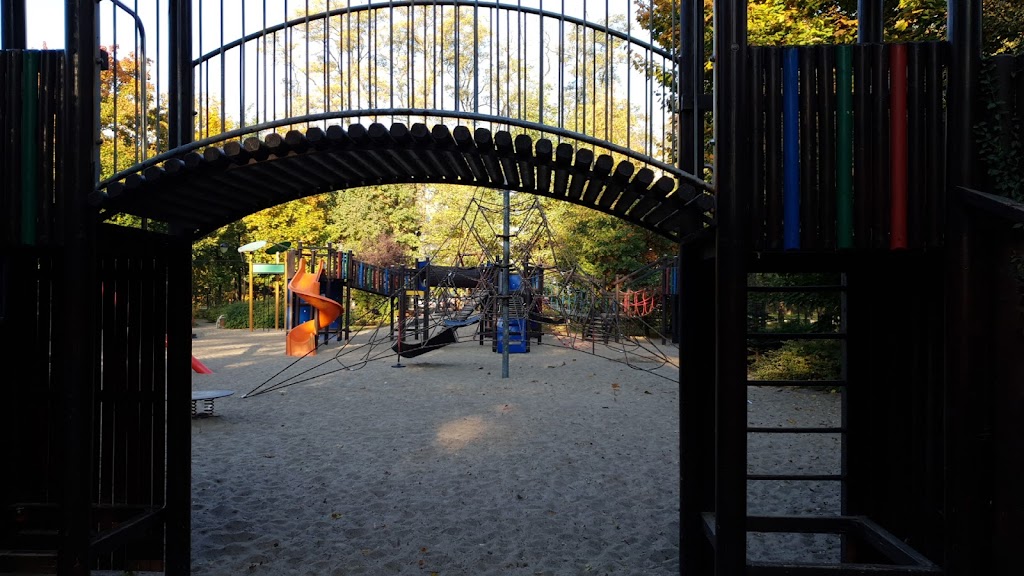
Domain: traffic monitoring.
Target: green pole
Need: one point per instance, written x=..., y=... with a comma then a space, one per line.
x=844, y=146
x=29, y=146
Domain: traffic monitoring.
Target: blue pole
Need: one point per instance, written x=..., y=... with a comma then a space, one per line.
x=790, y=152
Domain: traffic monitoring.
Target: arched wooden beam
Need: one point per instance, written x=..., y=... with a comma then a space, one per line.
x=200, y=192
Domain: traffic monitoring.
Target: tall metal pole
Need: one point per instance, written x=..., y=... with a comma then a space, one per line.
x=506, y=230
x=250, y=293
x=965, y=512
x=81, y=172
x=180, y=105
x=869, y=21
x=12, y=15
x=731, y=172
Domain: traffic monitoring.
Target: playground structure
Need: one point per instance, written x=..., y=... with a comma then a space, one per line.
x=301, y=339
x=931, y=433
x=428, y=302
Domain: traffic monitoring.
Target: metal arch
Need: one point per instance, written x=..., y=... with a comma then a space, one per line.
x=667, y=54
x=635, y=196
x=325, y=116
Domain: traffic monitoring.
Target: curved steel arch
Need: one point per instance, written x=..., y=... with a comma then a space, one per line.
x=537, y=11
x=196, y=193
x=558, y=133
x=609, y=70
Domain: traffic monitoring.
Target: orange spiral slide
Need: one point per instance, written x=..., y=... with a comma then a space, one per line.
x=301, y=340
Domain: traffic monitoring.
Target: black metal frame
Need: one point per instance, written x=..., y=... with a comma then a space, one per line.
x=949, y=523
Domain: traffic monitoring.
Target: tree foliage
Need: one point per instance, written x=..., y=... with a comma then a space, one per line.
x=794, y=22
x=359, y=217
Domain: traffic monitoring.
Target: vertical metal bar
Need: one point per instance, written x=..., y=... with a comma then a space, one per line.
x=496, y=22
x=476, y=56
x=426, y=64
x=457, y=48
x=757, y=98
x=581, y=73
x=561, y=68
x=12, y=16
x=790, y=149
x=74, y=363
x=159, y=74
x=808, y=150
x=327, y=57
x=593, y=84
x=844, y=147
x=916, y=176
x=494, y=61
x=540, y=68
x=273, y=71
x=223, y=73
x=687, y=92
x=649, y=99
x=898, y=146
x=140, y=86
x=438, y=63
x=180, y=101
x=115, y=86
x=880, y=146
x=826, y=147
x=870, y=21
x=179, y=441
x=30, y=192
x=266, y=80
x=508, y=56
x=695, y=325
x=773, y=149
x=964, y=510
x=733, y=144
x=674, y=75
x=372, y=51
x=936, y=138
x=204, y=79
x=359, y=60
x=241, y=68
x=305, y=24
x=374, y=71
x=608, y=80
x=861, y=142
x=629, y=76
x=346, y=103
x=410, y=60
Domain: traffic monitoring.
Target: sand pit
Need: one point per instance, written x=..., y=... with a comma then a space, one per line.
x=569, y=466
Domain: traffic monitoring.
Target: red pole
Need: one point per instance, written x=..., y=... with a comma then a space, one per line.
x=898, y=145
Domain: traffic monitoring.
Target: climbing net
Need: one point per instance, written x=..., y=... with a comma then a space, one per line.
x=619, y=323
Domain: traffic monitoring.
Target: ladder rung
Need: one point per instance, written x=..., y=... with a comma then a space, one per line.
x=797, y=430
x=797, y=383
x=804, y=477
x=821, y=288
x=796, y=335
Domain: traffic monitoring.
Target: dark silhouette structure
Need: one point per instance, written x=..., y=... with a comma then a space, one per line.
x=857, y=160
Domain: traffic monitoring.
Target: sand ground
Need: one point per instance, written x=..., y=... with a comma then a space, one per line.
x=570, y=465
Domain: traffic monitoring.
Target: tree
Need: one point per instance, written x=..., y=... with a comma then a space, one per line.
x=362, y=215
x=306, y=220
x=130, y=127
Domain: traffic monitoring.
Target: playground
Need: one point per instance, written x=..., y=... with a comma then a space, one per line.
x=441, y=465
x=862, y=163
